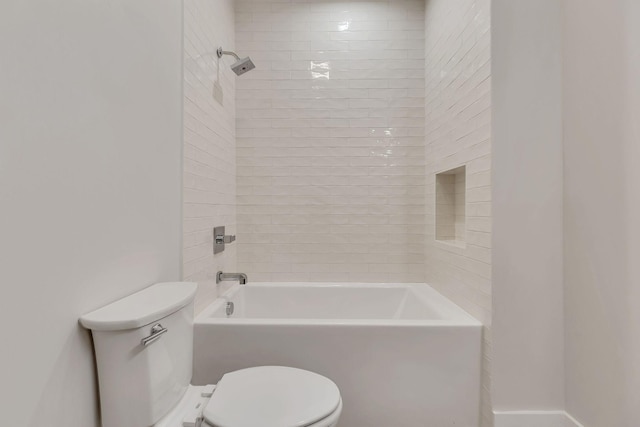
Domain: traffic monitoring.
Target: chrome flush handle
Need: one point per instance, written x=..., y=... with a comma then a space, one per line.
x=156, y=332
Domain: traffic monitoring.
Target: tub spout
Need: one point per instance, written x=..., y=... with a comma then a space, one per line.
x=223, y=277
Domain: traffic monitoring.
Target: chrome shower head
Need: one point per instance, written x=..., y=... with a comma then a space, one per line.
x=241, y=66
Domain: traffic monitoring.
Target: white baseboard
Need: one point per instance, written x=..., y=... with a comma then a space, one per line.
x=534, y=419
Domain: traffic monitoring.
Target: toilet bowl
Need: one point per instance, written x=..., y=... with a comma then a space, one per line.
x=268, y=396
x=144, y=347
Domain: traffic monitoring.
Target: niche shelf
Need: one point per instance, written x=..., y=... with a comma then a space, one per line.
x=451, y=218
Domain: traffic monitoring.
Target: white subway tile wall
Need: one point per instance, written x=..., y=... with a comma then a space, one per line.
x=209, y=142
x=332, y=148
x=330, y=130
x=458, y=133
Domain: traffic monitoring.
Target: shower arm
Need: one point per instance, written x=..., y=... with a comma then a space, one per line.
x=221, y=52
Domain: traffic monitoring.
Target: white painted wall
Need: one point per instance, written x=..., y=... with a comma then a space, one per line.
x=602, y=211
x=458, y=133
x=209, y=142
x=528, y=336
x=90, y=183
x=330, y=140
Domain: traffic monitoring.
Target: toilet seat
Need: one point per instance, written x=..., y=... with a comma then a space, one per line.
x=272, y=396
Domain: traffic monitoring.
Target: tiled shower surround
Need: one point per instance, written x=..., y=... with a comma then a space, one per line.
x=353, y=109
x=458, y=133
x=330, y=140
x=209, y=143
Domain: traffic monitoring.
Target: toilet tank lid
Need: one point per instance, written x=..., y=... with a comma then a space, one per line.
x=142, y=308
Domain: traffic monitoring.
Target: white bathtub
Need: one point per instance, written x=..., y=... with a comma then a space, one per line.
x=401, y=354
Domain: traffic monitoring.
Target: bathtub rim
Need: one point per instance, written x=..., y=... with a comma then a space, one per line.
x=459, y=317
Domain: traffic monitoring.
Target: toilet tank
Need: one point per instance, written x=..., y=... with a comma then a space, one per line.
x=144, y=351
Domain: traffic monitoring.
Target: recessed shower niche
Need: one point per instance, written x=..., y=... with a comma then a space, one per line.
x=451, y=206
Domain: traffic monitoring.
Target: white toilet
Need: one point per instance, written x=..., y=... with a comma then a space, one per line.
x=144, y=350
